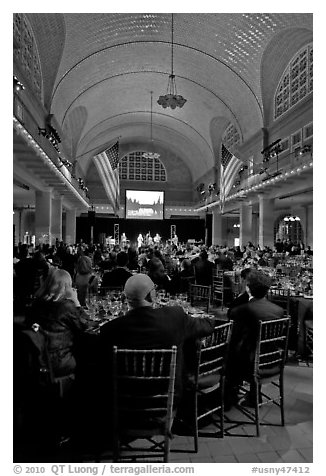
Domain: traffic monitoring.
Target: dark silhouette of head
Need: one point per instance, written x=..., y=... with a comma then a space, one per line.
x=122, y=259
x=258, y=283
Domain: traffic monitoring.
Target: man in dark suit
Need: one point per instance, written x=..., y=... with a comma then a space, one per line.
x=158, y=275
x=243, y=297
x=119, y=275
x=245, y=330
x=144, y=327
x=204, y=269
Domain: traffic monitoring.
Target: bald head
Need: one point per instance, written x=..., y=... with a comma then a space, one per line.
x=137, y=288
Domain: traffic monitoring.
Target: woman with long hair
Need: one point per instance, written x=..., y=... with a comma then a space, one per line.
x=57, y=310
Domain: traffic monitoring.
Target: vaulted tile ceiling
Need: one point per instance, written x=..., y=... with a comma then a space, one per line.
x=98, y=71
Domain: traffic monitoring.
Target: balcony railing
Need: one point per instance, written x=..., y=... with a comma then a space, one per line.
x=23, y=115
x=262, y=172
x=273, y=167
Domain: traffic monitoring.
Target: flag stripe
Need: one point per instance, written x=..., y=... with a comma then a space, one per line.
x=229, y=168
x=107, y=166
x=108, y=178
x=105, y=175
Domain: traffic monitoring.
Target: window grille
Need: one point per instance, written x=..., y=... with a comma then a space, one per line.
x=296, y=82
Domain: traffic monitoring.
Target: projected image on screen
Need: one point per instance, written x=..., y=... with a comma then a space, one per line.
x=144, y=204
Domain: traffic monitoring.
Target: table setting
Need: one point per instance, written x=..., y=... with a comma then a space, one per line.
x=101, y=309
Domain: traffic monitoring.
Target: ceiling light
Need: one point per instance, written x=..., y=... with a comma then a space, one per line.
x=171, y=99
x=151, y=155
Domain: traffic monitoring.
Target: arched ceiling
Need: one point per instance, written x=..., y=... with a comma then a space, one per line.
x=99, y=88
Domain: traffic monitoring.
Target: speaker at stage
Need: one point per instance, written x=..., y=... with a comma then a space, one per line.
x=91, y=217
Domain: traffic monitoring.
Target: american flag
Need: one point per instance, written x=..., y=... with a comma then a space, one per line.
x=229, y=168
x=107, y=166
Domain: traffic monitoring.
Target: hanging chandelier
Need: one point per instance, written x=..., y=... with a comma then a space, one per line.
x=151, y=155
x=171, y=99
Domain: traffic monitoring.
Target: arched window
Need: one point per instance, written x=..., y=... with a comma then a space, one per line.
x=26, y=54
x=231, y=137
x=296, y=82
x=134, y=166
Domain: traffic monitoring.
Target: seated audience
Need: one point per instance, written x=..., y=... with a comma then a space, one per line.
x=40, y=269
x=279, y=246
x=23, y=277
x=97, y=257
x=58, y=311
x=157, y=254
x=158, y=275
x=85, y=280
x=68, y=260
x=186, y=276
x=309, y=251
x=49, y=410
x=224, y=262
x=119, y=275
x=109, y=262
x=132, y=257
x=245, y=333
x=203, y=269
x=243, y=296
x=144, y=327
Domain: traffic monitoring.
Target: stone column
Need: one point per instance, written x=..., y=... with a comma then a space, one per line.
x=266, y=221
x=245, y=223
x=70, y=238
x=255, y=228
x=43, y=207
x=217, y=235
x=56, y=219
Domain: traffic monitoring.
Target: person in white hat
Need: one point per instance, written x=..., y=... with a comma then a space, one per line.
x=144, y=327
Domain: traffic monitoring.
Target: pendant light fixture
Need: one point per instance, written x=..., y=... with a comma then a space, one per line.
x=151, y=155
x=171, y=99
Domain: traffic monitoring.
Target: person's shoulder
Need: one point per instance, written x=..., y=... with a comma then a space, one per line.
x=275, y=307
x=264, y=304
x=117, y=325
x=174, y=309
x=240, y=309
x=169, y=312
x=65, y=304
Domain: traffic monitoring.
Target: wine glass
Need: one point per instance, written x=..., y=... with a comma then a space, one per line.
x=106, y=307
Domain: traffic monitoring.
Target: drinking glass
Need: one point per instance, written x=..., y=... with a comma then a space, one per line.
x=106, y=307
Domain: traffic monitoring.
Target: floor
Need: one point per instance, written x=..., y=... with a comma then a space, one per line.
x=292, y=443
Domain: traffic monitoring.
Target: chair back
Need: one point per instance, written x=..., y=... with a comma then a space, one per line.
x=200, y=295
x=281, y=297
x=211, y=355
x=143, y=394
x=271, y=348
x=217, y=273
x=309, y=339
x=280, y=292
x=218, y=290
